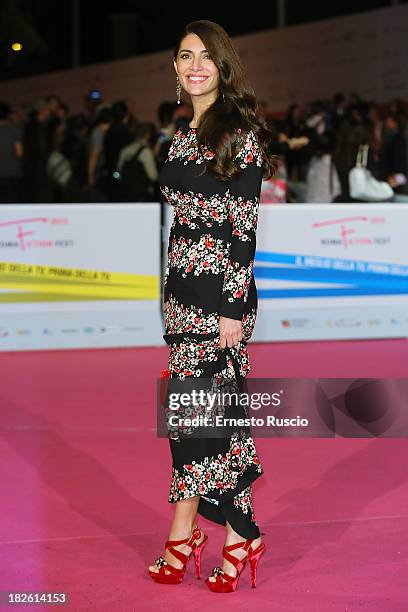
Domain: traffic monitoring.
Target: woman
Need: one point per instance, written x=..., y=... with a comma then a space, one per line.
x=212, y=177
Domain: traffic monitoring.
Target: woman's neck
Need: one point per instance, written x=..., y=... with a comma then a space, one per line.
x=200, y=105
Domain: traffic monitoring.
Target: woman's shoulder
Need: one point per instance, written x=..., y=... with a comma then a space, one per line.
x=249, y=151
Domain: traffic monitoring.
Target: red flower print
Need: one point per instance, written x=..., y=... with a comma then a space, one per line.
x=208, y=243
x=189, y=467
x=238, y=293
x=182, y=486
x=201, y=488
x=248, y=158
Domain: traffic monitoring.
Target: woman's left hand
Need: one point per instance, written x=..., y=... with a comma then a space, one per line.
x=230, y=332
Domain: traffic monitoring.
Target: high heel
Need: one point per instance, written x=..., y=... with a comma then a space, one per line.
x=254, y=560
x=224, y=583
x=176, y=574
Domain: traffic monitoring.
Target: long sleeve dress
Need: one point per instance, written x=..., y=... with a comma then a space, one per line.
x=210, y=274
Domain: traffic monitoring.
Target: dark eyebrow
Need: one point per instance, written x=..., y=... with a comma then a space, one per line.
x=189, y=51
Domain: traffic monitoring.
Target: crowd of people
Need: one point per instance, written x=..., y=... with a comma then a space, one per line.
x=105, y=154
x=335, y=129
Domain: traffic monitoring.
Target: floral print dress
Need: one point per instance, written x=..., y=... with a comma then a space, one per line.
x=210, y=274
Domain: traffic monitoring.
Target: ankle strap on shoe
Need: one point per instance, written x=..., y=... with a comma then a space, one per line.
x=246, y=545
x=196, y=534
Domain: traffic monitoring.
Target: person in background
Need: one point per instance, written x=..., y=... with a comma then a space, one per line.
x=376, y=126
x=116, y=138
x=19, y=115
x=97, y=181
x=66, y=164
x=54, y=102
x=56, y=122
x=11, y=152
x=351, y=131
x=296, y=127
x=74, y=147
x=36, y=149
x=183, y=113
x=339, y=105
x=165, y=133
x=137, y=168
x=93, y=102
x=393, y=156
x=322, y=181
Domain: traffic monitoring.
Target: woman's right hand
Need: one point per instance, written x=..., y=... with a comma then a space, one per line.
x=230, y=332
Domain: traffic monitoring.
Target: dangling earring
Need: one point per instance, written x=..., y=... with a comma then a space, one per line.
x=178, y=90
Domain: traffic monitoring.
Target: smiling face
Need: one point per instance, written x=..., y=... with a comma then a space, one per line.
x=197, y=72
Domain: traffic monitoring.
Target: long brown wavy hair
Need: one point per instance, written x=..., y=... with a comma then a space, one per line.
x=235, y=106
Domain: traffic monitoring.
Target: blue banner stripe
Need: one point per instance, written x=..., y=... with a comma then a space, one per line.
x=333, y=276
x=275, y=257
x=324, y=292
x=317, y=262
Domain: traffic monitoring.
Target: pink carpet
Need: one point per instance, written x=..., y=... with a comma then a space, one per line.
x=84, y=485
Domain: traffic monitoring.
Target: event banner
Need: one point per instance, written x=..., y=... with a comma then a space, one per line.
x=330, y=271
x=326, y=271
x=79, y=275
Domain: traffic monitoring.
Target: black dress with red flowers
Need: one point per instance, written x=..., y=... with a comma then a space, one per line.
x=210, y=274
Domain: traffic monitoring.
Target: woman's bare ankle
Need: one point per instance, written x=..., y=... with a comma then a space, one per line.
x=179, y=532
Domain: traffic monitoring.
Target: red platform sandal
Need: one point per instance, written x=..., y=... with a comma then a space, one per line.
x=224, y=583
x=176, y=574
